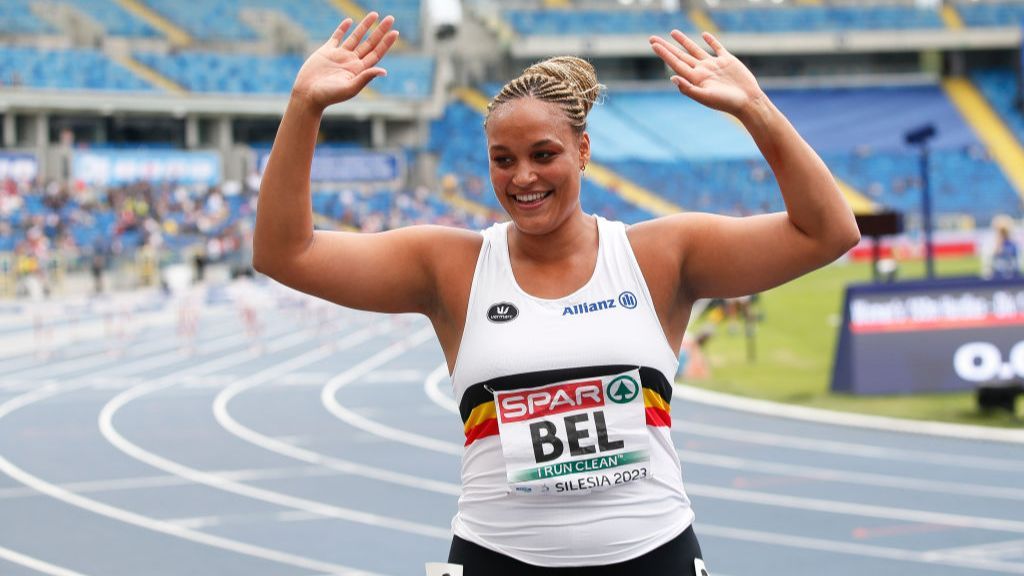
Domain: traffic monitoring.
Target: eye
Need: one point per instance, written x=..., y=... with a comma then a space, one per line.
x=544, y=155
x=502, y=160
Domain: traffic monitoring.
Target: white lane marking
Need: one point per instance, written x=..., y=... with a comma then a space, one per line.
x=855, y=509
x=219, y=482
x=432, y=386
x=849, y=477
x=165, y=481
x=149, y=523
x=854, y=549
x=997, y=550
x=818, y=506
x=330, y=401
x=809, y=414
x=277, y=445
x=846, y=448
x=35, y=563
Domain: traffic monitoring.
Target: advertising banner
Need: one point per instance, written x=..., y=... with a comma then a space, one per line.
x=944, y=335
x=339, y=165
x=18, y=166
x=120, y=167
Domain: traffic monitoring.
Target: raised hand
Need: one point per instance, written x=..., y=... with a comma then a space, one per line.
x=342, y=67
x=721, y=81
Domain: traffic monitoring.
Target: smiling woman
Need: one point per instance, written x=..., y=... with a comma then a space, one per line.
x=561, y=329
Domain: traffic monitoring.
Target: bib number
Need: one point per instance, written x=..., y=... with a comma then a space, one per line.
x=575, y=436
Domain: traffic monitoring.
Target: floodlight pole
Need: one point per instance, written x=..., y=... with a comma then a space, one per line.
x=926, y=212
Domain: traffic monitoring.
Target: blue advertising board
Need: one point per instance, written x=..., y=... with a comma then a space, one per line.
x=341, y=165
x=119, y=167
x=930, y=336
x=18, y=166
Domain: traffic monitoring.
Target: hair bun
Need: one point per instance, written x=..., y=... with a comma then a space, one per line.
x=576, y=73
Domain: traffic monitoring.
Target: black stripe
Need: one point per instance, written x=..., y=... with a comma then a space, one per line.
x=480, y=393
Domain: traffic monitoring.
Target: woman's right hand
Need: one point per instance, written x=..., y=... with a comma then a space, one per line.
x=342, y=67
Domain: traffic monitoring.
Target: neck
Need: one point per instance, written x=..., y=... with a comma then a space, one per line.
x=566, y=241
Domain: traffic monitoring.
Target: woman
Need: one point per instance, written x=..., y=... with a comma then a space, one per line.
x=560, y=329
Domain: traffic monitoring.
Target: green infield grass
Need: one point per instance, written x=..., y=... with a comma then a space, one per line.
x=795, y=344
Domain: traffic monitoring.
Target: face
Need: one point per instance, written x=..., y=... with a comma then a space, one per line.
x=535, y=161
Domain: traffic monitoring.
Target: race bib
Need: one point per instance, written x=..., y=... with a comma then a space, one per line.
x=576, y=436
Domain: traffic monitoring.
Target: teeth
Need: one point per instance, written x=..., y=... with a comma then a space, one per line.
x=531, y=197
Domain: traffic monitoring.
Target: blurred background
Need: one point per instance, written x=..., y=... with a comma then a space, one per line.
x=134, y=134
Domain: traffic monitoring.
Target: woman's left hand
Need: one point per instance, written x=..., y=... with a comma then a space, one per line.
x=720, y=81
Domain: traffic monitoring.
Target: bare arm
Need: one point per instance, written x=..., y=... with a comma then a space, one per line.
x=387, y=272
x=721, y=256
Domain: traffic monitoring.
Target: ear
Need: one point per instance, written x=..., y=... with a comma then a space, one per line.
x=584, y=150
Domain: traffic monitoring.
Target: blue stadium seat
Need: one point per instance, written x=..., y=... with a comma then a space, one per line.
x=1001, y=88
x=409, y=76
x=79, y=68
x=115, y=20
x=586, y=22
x=991, y=13
x=16, y=17
x=821, y=18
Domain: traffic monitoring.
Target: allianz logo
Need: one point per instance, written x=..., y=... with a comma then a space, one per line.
x=625, y=300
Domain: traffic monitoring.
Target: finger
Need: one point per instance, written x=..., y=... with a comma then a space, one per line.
x=356, y=36
x=691, y=46
x=380, y=49
x=364, y=77
x=339, y=32
x=686, y=88
x=378, y=33
x=677, y=65
x=715, y=44
x=675, y=50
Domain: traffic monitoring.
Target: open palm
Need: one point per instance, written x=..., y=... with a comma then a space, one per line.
x=342, y=67
x=721, y=81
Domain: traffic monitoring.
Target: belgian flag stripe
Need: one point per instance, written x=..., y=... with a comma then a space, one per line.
x=482, y=421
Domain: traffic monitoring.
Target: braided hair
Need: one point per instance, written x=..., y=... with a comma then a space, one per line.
x=566, y=81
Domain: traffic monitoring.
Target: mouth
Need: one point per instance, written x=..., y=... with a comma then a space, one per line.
x=531, y=199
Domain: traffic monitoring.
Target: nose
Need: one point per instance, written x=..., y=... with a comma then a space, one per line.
x=524, y=175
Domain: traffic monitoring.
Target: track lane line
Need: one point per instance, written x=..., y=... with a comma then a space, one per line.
x=147, y=522
x=219, y=482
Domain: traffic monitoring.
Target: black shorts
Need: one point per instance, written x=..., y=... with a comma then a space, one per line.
x=674, y=558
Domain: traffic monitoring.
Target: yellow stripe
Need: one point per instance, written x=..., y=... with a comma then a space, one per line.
x=630, y=191
x=479, y=415
x=148, y=74
x=174, y=34
x=1002, y=145
x=556, y=3
x=703, y=21
x=951, y=17
x=654, y=400
x=859, y=203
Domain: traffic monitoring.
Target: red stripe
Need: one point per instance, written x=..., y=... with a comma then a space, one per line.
x=952, y=324
x=486, y=428
x=658, y=417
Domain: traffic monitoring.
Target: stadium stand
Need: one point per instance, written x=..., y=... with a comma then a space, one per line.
x=772, y=20
x=595, y=22
x=115, y=20
x=644, y=134
x=70, y=69
x=16, y=17
x=990, y=13
x=410, y=76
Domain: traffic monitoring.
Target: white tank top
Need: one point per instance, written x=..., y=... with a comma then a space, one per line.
x=514, y=341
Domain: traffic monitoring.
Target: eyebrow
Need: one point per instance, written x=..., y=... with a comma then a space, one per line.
x=537, y=144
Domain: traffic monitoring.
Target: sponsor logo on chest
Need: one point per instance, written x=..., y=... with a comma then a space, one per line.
x=625, y=300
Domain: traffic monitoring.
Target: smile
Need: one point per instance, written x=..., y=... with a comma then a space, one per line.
x=531, y=198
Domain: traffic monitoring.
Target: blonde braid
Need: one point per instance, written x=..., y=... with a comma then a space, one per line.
x=566, y=81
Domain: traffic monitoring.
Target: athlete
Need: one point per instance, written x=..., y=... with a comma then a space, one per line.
x=561, y=329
